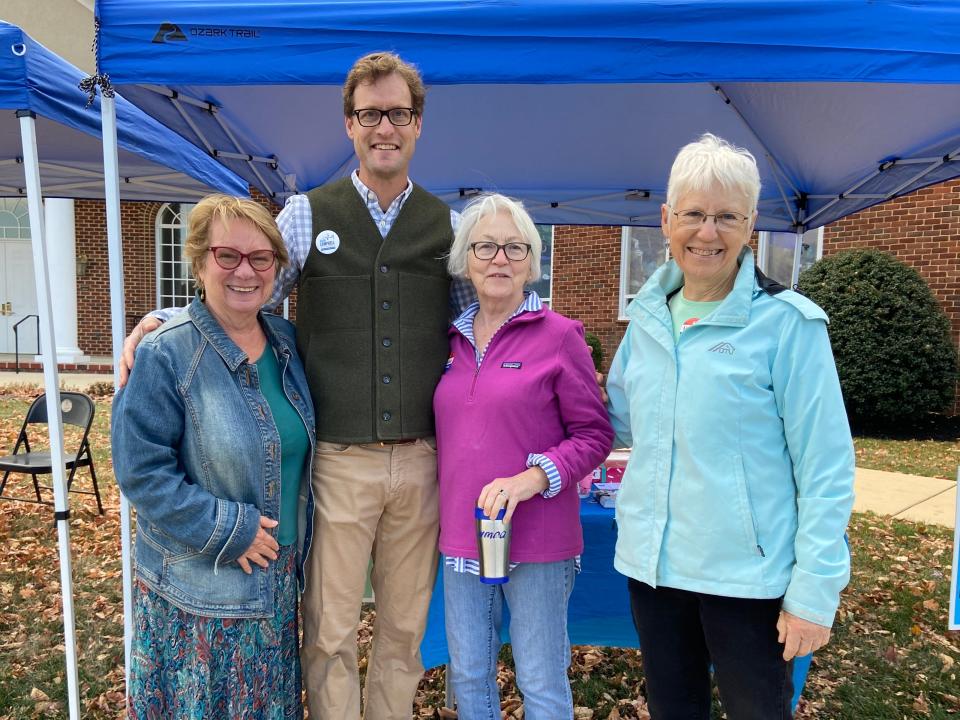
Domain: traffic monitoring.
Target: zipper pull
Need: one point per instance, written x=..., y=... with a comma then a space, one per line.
x=762, y=553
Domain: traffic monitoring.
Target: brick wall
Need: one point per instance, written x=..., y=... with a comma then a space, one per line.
x=138, y=226
x=137, y=222
x=586, y=280
x=923, y=230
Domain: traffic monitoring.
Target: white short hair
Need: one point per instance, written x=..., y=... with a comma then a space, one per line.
x=712, y=161
x=484, y=206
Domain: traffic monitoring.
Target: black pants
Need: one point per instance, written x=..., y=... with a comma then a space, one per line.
x=681, y=633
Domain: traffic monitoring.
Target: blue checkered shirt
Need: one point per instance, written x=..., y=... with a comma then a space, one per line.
x=296, y=225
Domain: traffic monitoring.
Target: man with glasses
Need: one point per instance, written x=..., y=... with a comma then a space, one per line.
x=374, y=305
x=367, y=254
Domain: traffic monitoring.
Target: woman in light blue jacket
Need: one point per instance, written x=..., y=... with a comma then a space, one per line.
x=740, y=484
x=212, y=440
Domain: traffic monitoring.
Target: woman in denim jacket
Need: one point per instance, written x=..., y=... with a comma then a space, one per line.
x=212, y=440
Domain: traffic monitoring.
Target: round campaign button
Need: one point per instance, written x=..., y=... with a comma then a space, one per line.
x=328, y=242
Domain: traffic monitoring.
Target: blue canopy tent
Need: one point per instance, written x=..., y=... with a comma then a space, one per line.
x=155, y=162
x=48, y=140
x=577, y=107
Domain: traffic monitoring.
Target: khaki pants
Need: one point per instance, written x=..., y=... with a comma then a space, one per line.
x=379, y=500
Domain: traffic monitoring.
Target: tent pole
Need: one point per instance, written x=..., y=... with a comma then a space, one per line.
x=31, y=168
x=111, y=183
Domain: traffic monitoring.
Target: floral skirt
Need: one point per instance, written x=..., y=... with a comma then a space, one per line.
x=187, y=667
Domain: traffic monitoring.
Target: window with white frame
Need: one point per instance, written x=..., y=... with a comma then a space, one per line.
x=14, y=219
x=544, y=285
x=783, y=256
x=642, y=251
x=175, y=285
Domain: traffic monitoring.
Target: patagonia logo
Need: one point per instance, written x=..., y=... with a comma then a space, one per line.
x=724, y=348
x=511, y=365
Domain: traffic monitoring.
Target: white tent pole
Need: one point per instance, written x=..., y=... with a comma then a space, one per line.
x=111, y=183
x=31, y=168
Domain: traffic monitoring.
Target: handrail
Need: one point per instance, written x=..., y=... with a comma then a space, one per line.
x=16, y=340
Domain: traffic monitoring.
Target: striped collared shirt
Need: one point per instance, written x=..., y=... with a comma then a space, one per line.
x=296, y=226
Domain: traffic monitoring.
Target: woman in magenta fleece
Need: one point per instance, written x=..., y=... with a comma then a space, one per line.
x=519, y=422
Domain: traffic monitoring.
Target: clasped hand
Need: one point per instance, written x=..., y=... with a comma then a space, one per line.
x=263, y=549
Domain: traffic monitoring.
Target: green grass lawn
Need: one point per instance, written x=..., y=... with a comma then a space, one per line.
x=890, y=657
x=930, y=458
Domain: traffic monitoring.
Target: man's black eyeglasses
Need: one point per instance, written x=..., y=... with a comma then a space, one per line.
x=371, y=117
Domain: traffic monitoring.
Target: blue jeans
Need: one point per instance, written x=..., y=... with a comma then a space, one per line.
x=682, y=632
x=537, y=596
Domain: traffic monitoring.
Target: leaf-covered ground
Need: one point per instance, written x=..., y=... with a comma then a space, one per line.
x=891, y=655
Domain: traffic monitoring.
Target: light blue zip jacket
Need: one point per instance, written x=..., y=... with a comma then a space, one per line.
x=196, y=451
x=740, y=482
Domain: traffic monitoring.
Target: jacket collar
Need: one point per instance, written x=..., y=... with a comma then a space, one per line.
x=530, y=308
x=214, y=334
x=733, y=310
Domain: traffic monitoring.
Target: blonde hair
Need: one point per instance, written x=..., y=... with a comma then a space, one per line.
x=226, y=208
x=374, y=66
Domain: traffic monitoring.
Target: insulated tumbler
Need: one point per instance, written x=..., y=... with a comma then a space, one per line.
x=493, y=544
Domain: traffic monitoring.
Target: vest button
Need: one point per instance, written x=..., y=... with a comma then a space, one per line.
x=385, y=304
x=384, y=268
x=386, y=379
x=387, y=416
x=386, y=342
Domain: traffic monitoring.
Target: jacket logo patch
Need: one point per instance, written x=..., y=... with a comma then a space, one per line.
x=724, y=348
x=511, y=365
x=448, y=364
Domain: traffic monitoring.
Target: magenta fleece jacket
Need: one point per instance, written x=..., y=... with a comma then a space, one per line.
x=535, y=392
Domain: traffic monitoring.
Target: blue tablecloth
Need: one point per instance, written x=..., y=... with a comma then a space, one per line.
x=599, y=612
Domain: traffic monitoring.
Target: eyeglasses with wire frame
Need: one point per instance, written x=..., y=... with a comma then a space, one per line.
x=371, y=117
x=486, y=250
x=724, y=221
x=230, y=258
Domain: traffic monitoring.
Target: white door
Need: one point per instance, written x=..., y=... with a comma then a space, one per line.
x=18, y=298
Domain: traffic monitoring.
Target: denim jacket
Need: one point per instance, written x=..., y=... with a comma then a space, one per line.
x=196, y=451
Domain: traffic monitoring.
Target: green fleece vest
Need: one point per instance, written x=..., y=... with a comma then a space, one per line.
x=372, y=315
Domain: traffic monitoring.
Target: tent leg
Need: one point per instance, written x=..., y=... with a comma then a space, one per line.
x=111, y=182
x=28, y=136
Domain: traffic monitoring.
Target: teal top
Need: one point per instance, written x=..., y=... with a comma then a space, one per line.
x=294, y=444
x=688, y=312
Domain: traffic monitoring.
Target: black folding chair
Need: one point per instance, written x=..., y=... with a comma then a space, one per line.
x=75, y=409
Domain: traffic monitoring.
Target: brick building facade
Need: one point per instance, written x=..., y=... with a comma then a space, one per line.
x=138, y=222
x=922, y=229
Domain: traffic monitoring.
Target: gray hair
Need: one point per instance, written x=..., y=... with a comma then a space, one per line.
x=484, y=206
x=710, y=161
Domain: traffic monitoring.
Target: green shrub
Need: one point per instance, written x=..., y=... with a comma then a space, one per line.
x=596, y=349
x=890, y=337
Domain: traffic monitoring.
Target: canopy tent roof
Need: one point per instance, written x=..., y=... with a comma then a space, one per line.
x=576, y=106
x=71, y=155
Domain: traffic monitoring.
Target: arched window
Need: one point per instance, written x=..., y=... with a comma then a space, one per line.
x=174, y=281
x=14, y=219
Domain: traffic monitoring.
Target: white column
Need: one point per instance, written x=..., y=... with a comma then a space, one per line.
x=58, y=214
